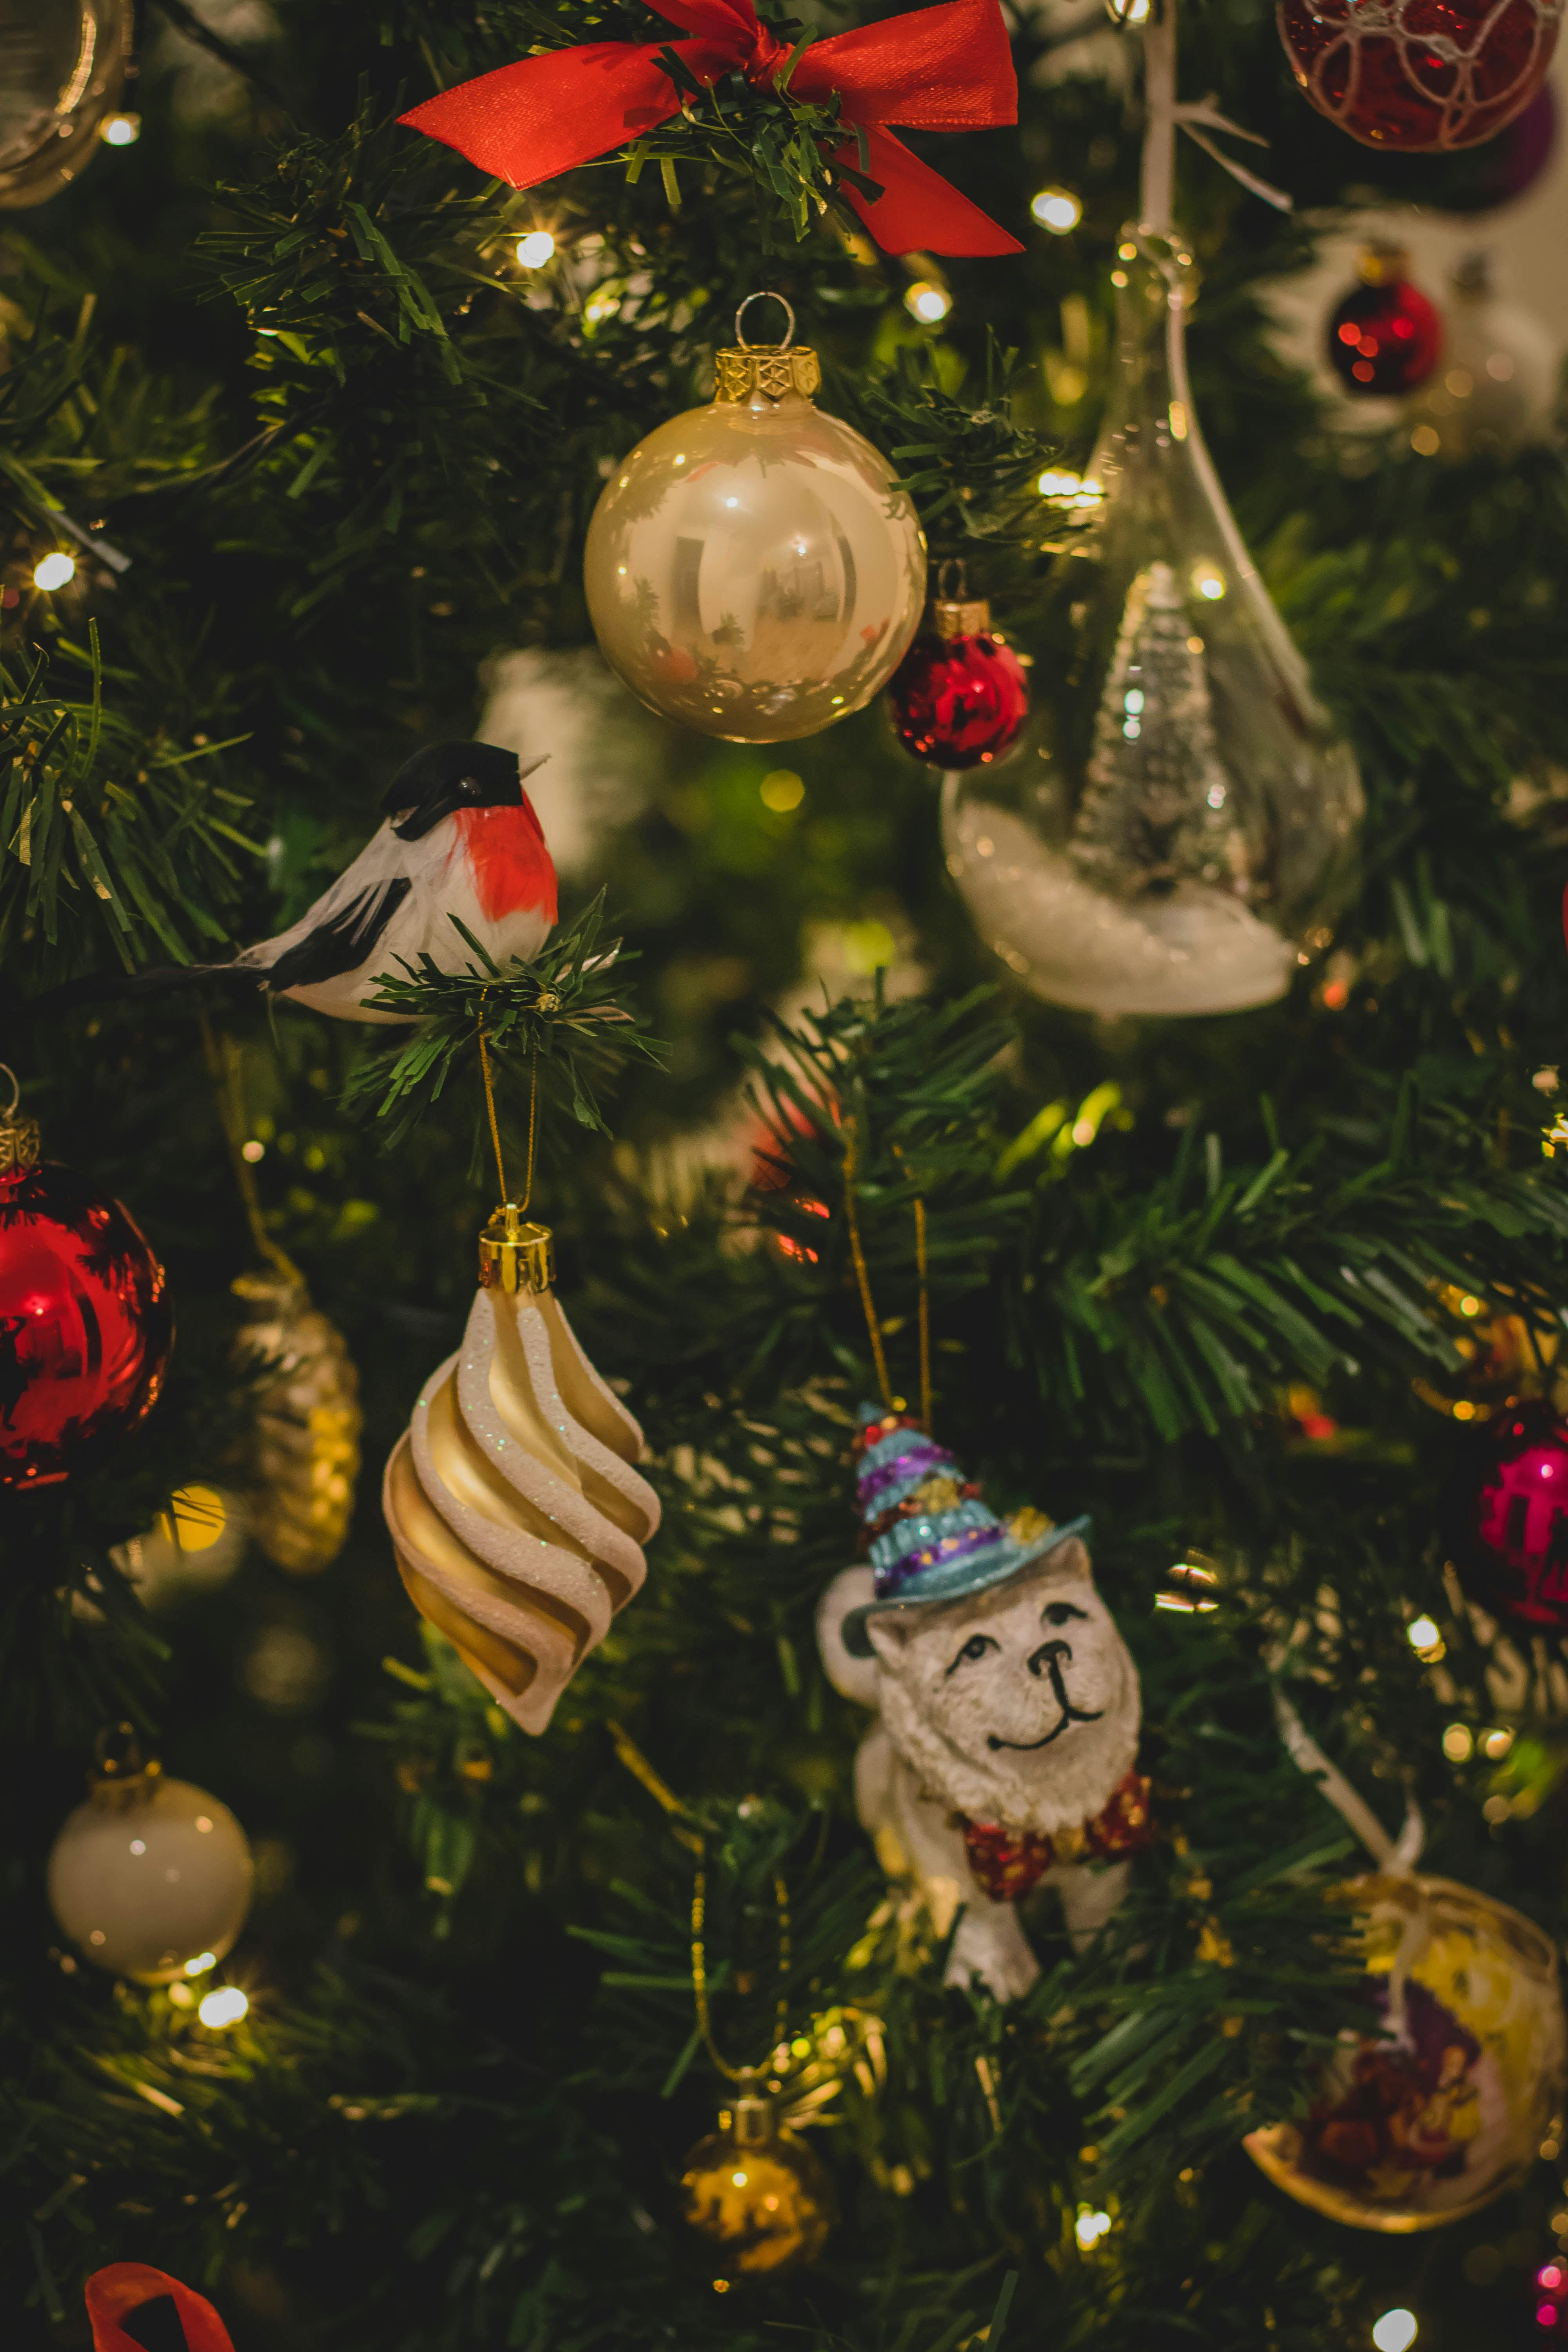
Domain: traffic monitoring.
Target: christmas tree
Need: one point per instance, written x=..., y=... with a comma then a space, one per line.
x=510, y=1835
x=1156, y=809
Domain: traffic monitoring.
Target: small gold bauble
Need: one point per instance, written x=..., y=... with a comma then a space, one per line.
x=751, y=571
x=1507, y=1358
x=148, y=1875
x=757, y=2193
x=1429, y=2121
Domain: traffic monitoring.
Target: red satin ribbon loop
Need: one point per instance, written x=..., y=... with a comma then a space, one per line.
x=115, y=2294
x=942, y=69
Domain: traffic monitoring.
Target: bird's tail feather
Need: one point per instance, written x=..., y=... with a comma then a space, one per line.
x=106, y=987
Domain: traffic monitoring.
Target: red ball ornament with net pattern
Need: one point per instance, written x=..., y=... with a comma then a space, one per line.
x=1505, y=1517
x=85, y=1327
x=960, y=696
x=1385, y=336
x=1420, y=77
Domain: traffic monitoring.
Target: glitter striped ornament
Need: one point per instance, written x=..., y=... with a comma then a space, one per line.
x=517, y=1518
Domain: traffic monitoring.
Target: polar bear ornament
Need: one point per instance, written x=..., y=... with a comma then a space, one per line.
x=1007, y=1706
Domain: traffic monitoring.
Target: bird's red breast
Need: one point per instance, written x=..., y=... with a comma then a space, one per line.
x=512, y=867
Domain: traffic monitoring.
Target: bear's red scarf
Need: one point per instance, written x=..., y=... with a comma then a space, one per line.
x=1007, y=1866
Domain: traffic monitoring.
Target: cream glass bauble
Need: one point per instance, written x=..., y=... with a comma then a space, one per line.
x=150, y=1873
x=1191, y=833
x=1493, y=391
x=752, y=569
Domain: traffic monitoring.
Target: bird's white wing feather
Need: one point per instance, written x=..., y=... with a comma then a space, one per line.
x=383, y=860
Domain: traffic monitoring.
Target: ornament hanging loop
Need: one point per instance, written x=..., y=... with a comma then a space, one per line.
x=764, y=294
x=19, y=1141
x=747, y=2079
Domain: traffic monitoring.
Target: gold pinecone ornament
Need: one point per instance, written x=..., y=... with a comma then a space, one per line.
x=303, y=1455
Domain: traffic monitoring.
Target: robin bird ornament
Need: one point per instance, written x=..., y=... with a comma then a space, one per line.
x=460, y=838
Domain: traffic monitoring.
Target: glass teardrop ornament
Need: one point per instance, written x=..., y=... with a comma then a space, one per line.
x=1194, y=828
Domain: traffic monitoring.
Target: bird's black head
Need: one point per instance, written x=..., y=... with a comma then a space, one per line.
x=448, y=776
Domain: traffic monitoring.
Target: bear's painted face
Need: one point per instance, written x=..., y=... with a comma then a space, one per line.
x=1019, y=1705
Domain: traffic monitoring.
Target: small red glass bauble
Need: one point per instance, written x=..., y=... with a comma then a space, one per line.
x=1505, y=1517
x=85, y=1326
x=960, y=696
x=1420, y=75
x=1385, y=336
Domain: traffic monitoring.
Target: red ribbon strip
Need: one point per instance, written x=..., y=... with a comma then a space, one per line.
x=943, y=69
x=120, y=2292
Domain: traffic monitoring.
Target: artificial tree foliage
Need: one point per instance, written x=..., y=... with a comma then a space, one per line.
x=322, y=450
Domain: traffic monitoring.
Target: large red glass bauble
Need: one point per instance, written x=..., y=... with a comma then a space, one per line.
x=1506, y=1517
x=1386, y=338
x=959, y=702
x=85, y=1325
x=1420, y=75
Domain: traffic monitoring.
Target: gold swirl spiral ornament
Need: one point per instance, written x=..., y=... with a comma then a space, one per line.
x=516, y=1515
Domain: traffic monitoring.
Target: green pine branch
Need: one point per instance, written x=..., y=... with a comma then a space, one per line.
x=561, y=1018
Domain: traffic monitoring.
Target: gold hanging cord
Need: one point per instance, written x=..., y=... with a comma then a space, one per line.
x=638, y=1765
x=223, y=1058
x=851, y=1161
x=700, y=1979
x=490, y=1108
x=863, y=1278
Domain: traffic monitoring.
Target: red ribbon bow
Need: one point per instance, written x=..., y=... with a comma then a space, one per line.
x=124, y=2288
x=943, y=69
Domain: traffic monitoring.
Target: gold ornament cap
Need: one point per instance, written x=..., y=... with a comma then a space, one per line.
x=121, y=1775
x=514, y=1253
x=958, y=616
x=1381, y=264
x=952, y=611
x=743, y=371
x=753, y=2122
x=19, y=1137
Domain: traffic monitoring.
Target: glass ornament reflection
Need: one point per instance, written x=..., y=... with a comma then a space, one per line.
x=1195, y=820
x=753, y=569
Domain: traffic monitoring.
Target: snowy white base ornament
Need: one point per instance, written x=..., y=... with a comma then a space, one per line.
x=517, y=1518
x=1007, y=1741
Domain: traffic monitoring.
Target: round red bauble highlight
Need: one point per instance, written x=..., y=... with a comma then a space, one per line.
x=85, y=1325
x=1505, y=1517
x=959, y=697
x=1385, y=336
x=1420, y=75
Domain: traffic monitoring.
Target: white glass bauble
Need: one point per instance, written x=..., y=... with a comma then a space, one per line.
x=751, y=570
x=148, y=1875
x=1492, y=391
x=1192, y=833
x=61, y=65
